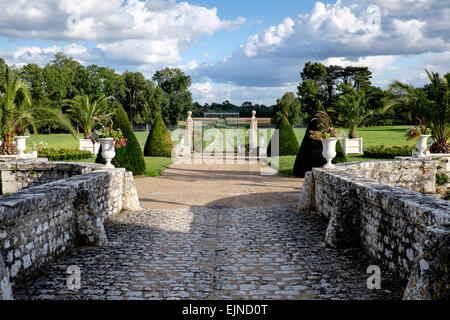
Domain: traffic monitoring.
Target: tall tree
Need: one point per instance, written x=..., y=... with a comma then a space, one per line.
x=134, y=98
x=34, y=75
x=289, y=106
x=176, y=86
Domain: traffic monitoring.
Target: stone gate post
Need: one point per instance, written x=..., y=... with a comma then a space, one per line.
x=253, y=135
x=189, y=131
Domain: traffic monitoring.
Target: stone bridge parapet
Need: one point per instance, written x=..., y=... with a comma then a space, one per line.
x=388, y=209
x=57, y=205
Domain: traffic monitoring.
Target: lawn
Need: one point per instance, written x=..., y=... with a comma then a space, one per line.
x=154, y=165
x=387, y=135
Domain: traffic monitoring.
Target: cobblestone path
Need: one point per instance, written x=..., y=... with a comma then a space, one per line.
x=211, y=252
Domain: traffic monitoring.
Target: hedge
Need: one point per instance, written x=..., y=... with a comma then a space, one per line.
x=383, y=152
x=60, y=154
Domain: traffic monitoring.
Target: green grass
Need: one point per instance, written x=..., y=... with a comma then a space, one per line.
x=68, y=141
x=156, y=165
x=386, y=135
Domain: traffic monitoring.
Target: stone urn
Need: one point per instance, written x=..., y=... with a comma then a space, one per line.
x=21, y=145
x=108, y=151
x=329, y=151
x=421, y=145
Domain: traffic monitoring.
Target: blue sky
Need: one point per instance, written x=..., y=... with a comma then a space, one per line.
x=244, y=50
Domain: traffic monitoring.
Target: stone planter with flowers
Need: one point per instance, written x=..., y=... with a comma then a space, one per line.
x=110, y=140
x=328, y=135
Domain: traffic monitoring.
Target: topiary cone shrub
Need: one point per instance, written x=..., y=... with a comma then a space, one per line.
x=310, y=153
x=129, y=157
x=159, y=143
x=288, y=144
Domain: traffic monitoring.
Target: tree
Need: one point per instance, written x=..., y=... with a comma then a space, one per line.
x=289, y=106
x=34, y=75
x=351, y=109
x=59, y=78
x=288, y=144
x=155, y=103
x=134, y=97
x=430, y=105
x=176, y=86
x=129, y=157
x=88, y=111
x=17, y=112
x=159, y=142
x=311, y=95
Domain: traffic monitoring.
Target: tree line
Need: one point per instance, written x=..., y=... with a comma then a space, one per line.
x=64, y=78
x=167, y=93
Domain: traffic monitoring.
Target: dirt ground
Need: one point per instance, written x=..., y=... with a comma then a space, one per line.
x=233, y=185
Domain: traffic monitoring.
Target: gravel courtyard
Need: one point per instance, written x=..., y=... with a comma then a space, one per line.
x=212, y=232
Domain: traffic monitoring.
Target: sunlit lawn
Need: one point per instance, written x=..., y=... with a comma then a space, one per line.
x=387, y=135
x=154, y=165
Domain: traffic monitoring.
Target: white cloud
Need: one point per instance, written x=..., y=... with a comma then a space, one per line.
x=208, y=92
x=133, y=32
x=340, y=33
x=268, y=38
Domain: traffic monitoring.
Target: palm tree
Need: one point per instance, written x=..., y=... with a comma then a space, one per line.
x=351, y=110
x=17, y=111
x=430, y=104
x=88, y=111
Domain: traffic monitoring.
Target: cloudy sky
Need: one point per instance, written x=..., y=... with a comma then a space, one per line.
x=240, y=50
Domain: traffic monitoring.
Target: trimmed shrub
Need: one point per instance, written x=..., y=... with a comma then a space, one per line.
x=159, y=143
x=383, y=152
x=288, y=144
x=61, y=154
x=310, y=153
x=129, y=157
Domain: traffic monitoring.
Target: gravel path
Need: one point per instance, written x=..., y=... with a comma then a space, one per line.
x=224, y=249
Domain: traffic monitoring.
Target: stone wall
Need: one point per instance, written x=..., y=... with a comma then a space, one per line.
x=39, y=223
x=369, y=205
x=21, y=174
